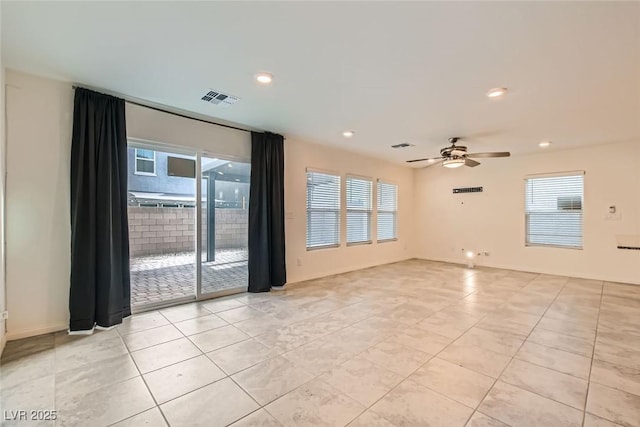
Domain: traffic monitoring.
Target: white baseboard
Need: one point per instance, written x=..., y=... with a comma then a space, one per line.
x=343, y=270
x=11, y=336
x=529, y=269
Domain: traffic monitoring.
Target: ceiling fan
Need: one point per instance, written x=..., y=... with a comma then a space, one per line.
x=456, y=156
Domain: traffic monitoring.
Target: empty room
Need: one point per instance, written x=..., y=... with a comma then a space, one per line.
x=309, y=213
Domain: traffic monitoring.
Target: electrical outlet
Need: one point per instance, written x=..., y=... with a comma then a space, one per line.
x=4, y=315
x=299, y=262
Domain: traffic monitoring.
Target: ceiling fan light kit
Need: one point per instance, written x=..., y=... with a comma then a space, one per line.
x=453, y=163
x=456, y=156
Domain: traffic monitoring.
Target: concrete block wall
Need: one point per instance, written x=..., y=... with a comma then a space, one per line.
x=154, y=231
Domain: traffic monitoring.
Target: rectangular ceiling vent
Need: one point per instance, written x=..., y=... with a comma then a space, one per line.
x=216, y=97
x=467, y=190
x=403, y=145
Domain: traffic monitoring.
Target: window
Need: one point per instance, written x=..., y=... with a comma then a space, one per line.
x=359, y=209
x=387, y=211
x=554, y=210
x=323, y=210
x=145, y=162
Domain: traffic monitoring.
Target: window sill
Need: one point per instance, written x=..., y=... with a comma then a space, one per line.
x=542, y=245
x=395, y=239
x=316, y=248
x=145, y=174
x=368, y=242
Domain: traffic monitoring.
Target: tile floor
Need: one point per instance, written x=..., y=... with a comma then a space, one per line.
x=414, y=343
x=160, y=278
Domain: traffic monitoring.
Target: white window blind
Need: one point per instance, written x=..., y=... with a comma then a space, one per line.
x=323, y=210
x=145, y=162
x=554, y=210
x=387, y=211
x=359, y=208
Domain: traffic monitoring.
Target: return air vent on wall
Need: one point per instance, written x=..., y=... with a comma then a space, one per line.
x=467, y=190
x=218, y=98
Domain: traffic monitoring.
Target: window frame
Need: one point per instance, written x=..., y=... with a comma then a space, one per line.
x=527, y=213
x=368, y=211
x=338, y=211
x=394, y=212
x=135, y=162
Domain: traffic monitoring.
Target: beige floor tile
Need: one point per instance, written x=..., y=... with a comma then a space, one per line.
x=218, y=338
x=105, y=406
x=315, y=404
x=614, y=405
x=370, y=419
x=259, y=418
x=27, y=368
x=200, y=324
x=142, y=322
x=447, y=324
x=619, y=377
x=518, y=407
x=460, y=384
x=499, y=342
x=481, y=420
x=618, y=349
x=184, y=312
x=216, y=405
x=150, y=337
x=420, y=339
x=151, y=418
x=271, y=379
x=181, y=378
x=37, y=394
x=555, y=385
x=579, y=330
x=593, y=421
x=395, y=357
x=321, y=355
x=558, y=360
x=222, y=304
x=93, y=376
x=240, y=356
x=362, y=380
x=476, y=358
x=241, y=313
x=165, y=354
x=411, y=404
x=562, y=342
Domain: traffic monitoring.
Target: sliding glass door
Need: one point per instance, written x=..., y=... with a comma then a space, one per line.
x=187, y=236
x=224, y=214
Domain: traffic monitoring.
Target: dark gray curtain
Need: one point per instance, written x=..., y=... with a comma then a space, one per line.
x=266, y=213
x=100, y=287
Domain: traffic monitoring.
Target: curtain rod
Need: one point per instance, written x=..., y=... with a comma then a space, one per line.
x=177, y=114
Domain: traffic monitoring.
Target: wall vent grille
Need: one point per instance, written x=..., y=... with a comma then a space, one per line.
x=467, y=190
x=403, y=145
x=216, y=97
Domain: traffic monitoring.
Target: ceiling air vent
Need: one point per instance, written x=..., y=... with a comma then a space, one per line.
x=403, y=145
x=218, y=98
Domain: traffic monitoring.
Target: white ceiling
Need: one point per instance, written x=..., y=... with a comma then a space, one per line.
x=394, y=72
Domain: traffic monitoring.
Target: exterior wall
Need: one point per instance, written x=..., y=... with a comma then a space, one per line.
x=154, y=231
x=161, y=182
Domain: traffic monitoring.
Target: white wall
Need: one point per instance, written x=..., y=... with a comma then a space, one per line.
x=39, y=120
x=322, y=262
x=2, y=206
x=494, y=220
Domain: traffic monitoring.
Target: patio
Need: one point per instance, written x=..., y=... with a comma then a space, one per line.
x=166, y=277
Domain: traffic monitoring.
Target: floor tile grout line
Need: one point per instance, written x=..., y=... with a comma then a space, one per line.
x=593, y=354
x=513, y=356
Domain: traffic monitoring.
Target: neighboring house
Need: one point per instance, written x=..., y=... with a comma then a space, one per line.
x=158, y=178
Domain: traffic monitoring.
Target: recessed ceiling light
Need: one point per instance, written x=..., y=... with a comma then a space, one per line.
x=348, y=133
x=497, y=92
x=220, y=173
x=544, y=144
x=264, y=78
x=230, y=165
x=237, y=180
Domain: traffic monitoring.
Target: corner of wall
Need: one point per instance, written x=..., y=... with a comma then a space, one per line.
x=2, y=210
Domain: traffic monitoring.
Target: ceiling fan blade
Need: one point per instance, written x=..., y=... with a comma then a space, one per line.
x=471, y=163
x=496, y=154
x=423, y=160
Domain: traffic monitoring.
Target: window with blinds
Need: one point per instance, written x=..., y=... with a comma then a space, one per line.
x=387, y=211
x=359, y=208
x=323, y=210
x=554, y=210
